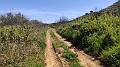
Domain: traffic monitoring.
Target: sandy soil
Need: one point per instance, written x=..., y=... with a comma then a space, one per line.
x=51, y=58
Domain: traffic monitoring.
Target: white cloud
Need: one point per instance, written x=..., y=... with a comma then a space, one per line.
x=46, y=16
x=33, y=12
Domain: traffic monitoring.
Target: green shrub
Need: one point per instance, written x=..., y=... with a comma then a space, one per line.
x=95, y=34
x=21, y=46
x=112, y=56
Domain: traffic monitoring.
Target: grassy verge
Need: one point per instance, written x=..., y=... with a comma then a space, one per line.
x=68, y=55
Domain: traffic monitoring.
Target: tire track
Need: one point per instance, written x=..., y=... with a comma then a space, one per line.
x=51, y=58
x=85, y=60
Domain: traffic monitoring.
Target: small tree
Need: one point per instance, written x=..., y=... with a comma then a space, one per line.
x=62, y=19
x=20, y=18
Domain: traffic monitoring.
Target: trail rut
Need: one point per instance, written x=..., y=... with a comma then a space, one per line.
x=85, y=60
x=51, y=58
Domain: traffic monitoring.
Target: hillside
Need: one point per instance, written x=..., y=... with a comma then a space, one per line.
x=115, y=8
x=97, y=33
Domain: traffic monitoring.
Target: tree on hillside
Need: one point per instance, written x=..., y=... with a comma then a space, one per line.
x=91, y=11
x=62, y=19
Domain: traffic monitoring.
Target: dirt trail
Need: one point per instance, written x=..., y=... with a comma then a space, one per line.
x=85, y=60
x=51, y=58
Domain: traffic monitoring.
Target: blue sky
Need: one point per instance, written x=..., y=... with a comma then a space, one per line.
x=49, y=11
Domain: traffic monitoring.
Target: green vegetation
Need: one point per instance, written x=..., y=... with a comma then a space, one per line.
x=115, y=8
x=13, y=19
x=21, y=44
x=99, y=36
x=72, y=58
x=58, y=43
x=22, y=41
x=68, y=55
x=97, y=33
